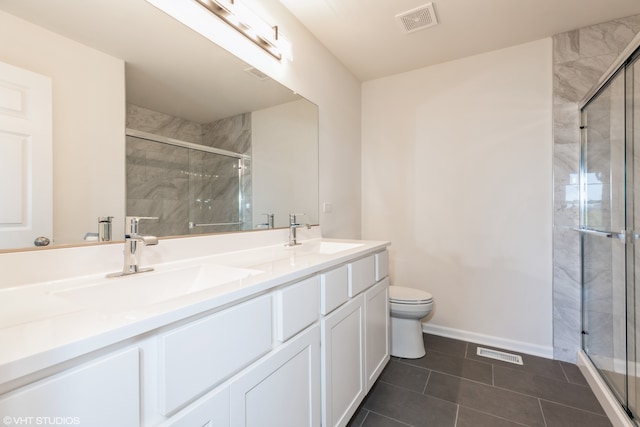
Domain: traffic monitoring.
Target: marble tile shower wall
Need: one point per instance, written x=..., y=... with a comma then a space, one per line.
x=179, y=185
x=580, y=58
x=233, y=134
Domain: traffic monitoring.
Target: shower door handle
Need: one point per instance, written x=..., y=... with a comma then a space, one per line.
x=622, y=236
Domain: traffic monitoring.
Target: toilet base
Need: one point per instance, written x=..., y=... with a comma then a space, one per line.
x=406, y=338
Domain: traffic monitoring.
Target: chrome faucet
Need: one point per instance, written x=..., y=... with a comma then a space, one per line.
x=104, y=228
x=269, y=223
x=131, y=249
x=293, y=225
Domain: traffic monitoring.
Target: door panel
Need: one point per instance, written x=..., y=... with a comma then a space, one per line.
x=603, y=241
x=25, y=157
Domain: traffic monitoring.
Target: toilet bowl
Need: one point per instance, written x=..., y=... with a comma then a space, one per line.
x=408, y=307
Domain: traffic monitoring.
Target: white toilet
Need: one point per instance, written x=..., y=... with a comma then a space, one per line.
x=408, y=307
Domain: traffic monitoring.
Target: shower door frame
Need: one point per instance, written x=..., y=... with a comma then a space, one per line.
x=623, y=68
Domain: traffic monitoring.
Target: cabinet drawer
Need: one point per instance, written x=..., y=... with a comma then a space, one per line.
x=197, y=356
x=382, y=265
x=101, y=393
x=296, y=307
x=334, y=289
x=361, y=275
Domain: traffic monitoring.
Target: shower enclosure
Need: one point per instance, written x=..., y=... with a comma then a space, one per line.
x=191, y=188
x=610, y=227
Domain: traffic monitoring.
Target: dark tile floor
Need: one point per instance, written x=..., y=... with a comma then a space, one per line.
x=452, y=386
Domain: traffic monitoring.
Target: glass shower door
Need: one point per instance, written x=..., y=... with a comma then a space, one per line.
x=633, y=215
x=216, y=193
x=603, y=221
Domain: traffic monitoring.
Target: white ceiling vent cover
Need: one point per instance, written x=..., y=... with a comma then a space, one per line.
x=418, y=19
x=256, y=73
x=500, y=355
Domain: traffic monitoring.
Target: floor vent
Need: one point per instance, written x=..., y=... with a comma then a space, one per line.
x=500, y=355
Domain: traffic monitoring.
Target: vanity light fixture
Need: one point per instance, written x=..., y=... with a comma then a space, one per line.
x=247, y=23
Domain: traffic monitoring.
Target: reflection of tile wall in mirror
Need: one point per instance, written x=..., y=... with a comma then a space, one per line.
x=232, y=134
x=180, y=185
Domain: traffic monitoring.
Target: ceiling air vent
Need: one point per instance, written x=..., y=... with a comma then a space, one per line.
x=417, y=19
x=256, y=73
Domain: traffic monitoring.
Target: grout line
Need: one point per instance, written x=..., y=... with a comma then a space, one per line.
x=471, y=380
x=564, y=373
x=534, y=396
x=404, y=362
x=424, y=389
x=447, y=355
x=567, y=376
x=387, y=417
x=573, y=407
x=455, y=423
x=493, y=415
x=544, y=419
x=365, y=418
x=493, y=375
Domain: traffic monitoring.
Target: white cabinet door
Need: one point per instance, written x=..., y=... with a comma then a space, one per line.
x=25, y=157
x=343, y=373
x=283, y=388
x=376, y=312
x=101, y=393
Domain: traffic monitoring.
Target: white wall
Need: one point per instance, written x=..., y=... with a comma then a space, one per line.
x=88, y=123
x=284, y=155
x=456, y=164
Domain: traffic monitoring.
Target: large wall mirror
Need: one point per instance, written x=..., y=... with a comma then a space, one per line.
x=205, y=143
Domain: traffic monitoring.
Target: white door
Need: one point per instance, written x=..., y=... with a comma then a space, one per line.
x=25, y=157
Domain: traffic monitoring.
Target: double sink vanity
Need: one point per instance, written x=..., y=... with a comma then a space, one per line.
x=257, y=334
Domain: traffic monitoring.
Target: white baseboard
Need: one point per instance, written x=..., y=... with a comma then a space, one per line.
x=507, y=344
x=611, y=407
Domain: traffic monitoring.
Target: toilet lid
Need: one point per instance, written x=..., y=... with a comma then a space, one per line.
x=409, y=295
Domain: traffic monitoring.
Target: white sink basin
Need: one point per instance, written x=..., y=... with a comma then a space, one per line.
x=20, y=305
x=120, y=294
x=324, y=247
x=335, y=247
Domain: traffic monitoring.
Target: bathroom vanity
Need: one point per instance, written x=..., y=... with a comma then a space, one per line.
x=261, y=336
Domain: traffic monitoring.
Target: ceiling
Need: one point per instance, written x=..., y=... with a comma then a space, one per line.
x=366, y=37
x=169, y=67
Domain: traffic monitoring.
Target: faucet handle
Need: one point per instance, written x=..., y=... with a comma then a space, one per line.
x=132, y=223
x=149, y=240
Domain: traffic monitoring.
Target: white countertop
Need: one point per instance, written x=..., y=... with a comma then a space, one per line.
x=46, y=323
